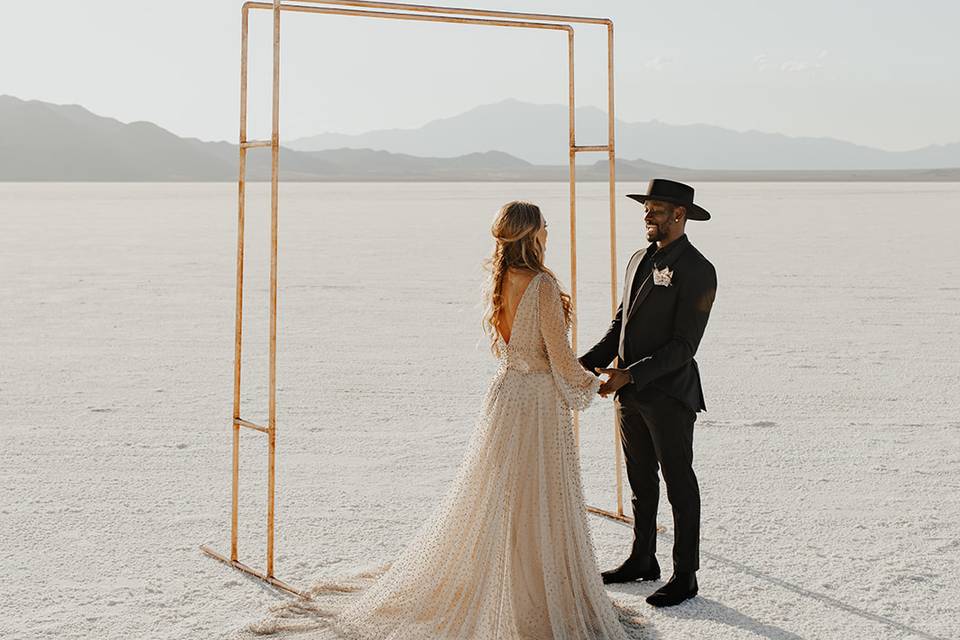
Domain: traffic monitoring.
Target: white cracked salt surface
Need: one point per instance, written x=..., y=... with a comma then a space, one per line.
x=829, y=459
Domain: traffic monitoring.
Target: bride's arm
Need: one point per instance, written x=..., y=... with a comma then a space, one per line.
x=577, y=386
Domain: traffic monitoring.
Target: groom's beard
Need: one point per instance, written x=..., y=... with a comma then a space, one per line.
x=655, y=233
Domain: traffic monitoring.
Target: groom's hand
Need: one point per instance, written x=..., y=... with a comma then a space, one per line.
x=617, y=378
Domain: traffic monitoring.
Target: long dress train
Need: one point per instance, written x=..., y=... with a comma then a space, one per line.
x=507, y=554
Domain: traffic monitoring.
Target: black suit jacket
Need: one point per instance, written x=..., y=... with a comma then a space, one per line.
x=663, y=326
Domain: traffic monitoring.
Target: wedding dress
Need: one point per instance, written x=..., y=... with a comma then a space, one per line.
x=507, y=554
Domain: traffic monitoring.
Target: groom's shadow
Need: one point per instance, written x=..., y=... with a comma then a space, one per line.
x=721, y=613
x=707, y=609
x=700, y=608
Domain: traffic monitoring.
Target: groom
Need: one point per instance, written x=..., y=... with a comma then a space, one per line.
x=668, y=292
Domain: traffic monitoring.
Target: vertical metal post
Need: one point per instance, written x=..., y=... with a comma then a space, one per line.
x=238, y=332
x=274, y=192
x=571, y=101
x=611, y=161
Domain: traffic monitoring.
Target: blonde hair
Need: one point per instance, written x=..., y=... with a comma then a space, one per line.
x=515, y=230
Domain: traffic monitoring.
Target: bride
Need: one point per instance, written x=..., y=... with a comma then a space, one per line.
x=507, y=554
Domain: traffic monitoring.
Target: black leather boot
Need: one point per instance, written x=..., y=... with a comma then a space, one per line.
x=680, y=587
x=633, y=569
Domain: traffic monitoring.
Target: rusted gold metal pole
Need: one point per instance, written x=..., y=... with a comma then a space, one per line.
x=249, y=425
x=274, y=193
x=238, y=334
x=420, y=8
x=237, y=421
x=572, y=153
x=618, y=517
x=612, y=165
x=410, y=16
x=253, y=572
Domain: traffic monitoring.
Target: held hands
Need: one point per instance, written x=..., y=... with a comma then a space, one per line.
x=617, y=378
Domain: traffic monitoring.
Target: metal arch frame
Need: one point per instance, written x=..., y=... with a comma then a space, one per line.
x=395, y=11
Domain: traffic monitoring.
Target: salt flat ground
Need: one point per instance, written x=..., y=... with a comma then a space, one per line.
x=829, y=458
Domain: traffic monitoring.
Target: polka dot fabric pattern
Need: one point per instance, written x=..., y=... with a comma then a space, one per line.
x=507, y=553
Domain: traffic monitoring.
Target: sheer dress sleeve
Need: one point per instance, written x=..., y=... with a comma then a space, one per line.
x=576, y=385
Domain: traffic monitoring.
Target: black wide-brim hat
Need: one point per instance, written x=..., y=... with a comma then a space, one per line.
x=675, y=193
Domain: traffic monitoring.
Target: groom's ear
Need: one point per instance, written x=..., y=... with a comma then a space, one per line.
x=679, y=213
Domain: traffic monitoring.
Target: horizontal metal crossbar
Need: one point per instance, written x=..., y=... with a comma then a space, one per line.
x=627, y=520
x=512, y=15
x=590, y=147
x=236, y=564
x=410, y=16
x=256, y=143
x=622, y=519
x=250, y=425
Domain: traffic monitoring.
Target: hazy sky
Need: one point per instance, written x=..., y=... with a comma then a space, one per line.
x=875, y=72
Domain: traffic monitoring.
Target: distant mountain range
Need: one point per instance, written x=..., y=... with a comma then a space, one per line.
x=40, y=141
x=537, y=134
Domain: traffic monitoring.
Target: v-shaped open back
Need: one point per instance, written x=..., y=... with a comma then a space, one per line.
x=516, y=314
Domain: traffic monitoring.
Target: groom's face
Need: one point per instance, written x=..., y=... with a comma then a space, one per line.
x=659, y=218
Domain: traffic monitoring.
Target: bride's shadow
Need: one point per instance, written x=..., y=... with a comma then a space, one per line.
x=701, y=608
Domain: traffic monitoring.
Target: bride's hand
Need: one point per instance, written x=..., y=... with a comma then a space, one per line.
x=617, y=378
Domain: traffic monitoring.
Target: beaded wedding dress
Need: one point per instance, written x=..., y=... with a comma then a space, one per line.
x=507, y=554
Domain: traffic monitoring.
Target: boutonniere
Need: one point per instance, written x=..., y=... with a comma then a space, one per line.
x=662, y=277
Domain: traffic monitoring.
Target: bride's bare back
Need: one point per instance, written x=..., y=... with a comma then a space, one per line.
x=515, y=283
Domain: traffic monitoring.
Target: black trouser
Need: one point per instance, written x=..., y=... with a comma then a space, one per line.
x=656, y=429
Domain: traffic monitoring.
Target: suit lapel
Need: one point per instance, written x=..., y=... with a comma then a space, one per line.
x=632, y=267
x=647, y=285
